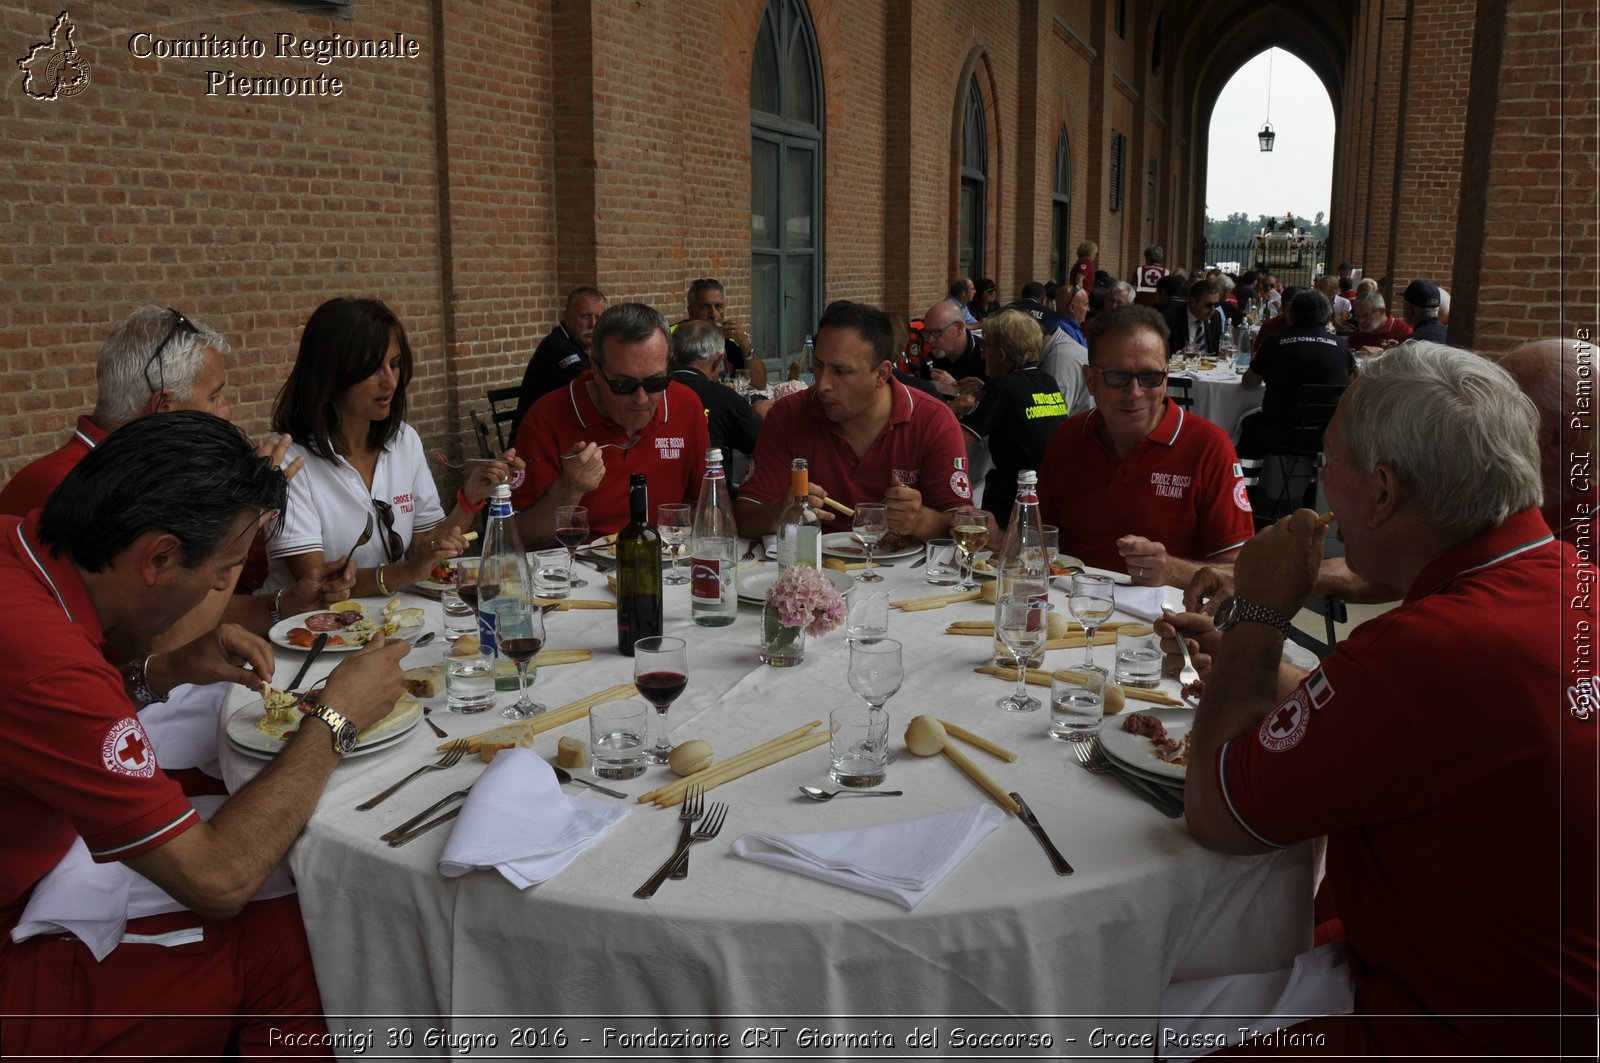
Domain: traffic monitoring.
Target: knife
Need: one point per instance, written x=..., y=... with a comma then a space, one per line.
x=1032, y=822
x=316, y=648
x=1165, y=802
x=412, y=823
x=401, y=839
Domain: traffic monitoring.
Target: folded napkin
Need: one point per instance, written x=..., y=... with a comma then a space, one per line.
x=901, y=861
x=769, y=544
x=1142, y=602
x=183, y=729
x=93, y=902
x=517, y=821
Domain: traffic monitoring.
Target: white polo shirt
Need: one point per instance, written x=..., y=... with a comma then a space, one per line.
x=329, y=504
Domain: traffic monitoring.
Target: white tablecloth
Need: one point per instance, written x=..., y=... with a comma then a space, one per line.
x=1219, y=398
x=1003, y=936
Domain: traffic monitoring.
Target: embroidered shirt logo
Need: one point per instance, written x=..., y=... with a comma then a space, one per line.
x=1285, y=725
x=126, y=750
x=960, y=484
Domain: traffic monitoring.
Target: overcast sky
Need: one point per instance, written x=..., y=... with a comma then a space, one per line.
x=1297, y=174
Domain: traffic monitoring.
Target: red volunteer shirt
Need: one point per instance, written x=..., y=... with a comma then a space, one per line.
x=671, y=450
x=1460, y=849
x=1393, y=329
x=74, y=759
x=918, y=447
x=1180, y=486
x=32, y=484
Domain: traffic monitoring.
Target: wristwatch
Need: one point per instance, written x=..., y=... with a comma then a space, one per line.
x=1238, y=609
x=344, y=732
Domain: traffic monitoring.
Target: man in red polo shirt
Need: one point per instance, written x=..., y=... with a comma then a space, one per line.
x=625, y=415
x=867, y=437
x=1137, y=483
x=1375, y=330
x=1460, y=720
x=132, y=540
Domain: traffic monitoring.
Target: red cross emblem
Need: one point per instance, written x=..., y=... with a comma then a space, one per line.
x=1283, y=727
x=1283, y=721
x=126, y=749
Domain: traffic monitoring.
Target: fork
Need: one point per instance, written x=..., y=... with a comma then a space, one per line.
x=444, y=459
x=693, y=807
x=629, y=445
x=705, y=832
x=1188, y=673
x=1093, y=759
x=750, y=554
x=372, y=519
x=451, y=757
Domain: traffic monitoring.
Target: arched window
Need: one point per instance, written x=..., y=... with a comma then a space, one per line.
x=1062, y=253
x=974, y=177
x=785, y=181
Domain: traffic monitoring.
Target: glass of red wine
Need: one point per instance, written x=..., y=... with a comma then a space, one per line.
x=660, y=671
x=572, y=530
x=519, y=632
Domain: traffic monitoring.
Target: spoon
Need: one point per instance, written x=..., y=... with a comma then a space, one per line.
x=566, y=776
x=424, y=640
x=828, y=795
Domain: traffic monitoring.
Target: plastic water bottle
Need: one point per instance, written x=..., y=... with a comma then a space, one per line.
x=1022, y=567
x=713, y=576
x=808, y=374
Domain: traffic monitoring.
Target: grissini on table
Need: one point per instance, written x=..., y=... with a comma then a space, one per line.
x=978, y=740
x=715, y=776
x=680, y=786
x=514, y=732
x=935, y=601
x=1040, y=678
x=564, y=604
x=926, y=736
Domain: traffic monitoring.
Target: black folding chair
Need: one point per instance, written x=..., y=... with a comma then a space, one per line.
x=1180, y=389
x=1294, y=460
x=502, y=411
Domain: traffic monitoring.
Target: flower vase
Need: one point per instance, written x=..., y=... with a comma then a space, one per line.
x=782, y=646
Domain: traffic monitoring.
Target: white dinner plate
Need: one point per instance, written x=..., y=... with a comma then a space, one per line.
x=753, y=587
x=605, y=546
x=1137, y=751
x=983, y=566
x=373, y=610
x=843, y=544
x=246, y=739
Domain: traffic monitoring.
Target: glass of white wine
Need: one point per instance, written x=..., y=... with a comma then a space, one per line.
x=1091, y=602
x=969, y=527
x=1022, y=625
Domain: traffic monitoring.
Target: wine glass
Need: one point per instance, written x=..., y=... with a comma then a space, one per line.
x=519, y=632
x=871, y=524
x=1022, y=625
x=572, y=528
x=466, y=570
x=660, y=671
x=969, y=527
x=1090, y=602
x=675, y=522
x=876, y=673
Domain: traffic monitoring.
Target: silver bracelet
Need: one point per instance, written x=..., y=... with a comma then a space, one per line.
x=136, y=674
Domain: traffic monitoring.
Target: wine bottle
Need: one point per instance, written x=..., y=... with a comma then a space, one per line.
x=503, y=569
x=713, y=579
x=799, y=527
x=1021, y=566
x=638, y=570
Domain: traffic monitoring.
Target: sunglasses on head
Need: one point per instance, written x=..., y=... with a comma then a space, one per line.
x=627, y=385
x=1121, y=378
x=179, y=324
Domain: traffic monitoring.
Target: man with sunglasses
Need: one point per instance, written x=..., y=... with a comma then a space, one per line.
x=1137, y=484
x=625, y=415
x=1198, y=322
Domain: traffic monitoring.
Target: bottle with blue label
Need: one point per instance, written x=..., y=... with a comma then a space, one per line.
x=503, y=570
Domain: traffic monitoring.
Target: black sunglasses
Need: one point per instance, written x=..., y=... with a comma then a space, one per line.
x=393, y=547
x=179, y=324
x=1121, y=378
x=627, y=385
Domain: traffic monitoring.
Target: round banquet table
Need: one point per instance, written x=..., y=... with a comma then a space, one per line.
x=1002, y=940
x=1220, y=398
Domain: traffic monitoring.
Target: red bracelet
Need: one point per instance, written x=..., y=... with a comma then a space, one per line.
x=461, y=500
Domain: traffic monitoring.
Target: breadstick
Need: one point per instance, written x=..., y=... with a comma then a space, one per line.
x=1325, y=520
x=471, y=537
x=839, y=507
x=562, y=605
x=934, y=601
x=683, y=784
x=1040, y=678
x=976, y=774
x=711, y=778
x=979, y=741
x=841, y=566
x=1075, y=642
x=551, y=658
x=555, y=718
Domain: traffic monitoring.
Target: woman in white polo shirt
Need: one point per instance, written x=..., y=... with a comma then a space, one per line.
x=344, y=404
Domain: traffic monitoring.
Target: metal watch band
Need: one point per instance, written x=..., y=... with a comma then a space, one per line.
x=336, y=721
x=1244, y=609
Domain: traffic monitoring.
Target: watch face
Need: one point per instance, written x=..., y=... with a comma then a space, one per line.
x=1225, y=614
x=347, y=735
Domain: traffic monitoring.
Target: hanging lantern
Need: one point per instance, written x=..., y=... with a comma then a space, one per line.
x=1267, y=137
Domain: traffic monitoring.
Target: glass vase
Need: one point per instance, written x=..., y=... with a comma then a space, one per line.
x=782, y=646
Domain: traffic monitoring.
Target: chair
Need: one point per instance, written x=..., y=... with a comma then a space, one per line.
x=1180, y=389
x=1292, y=462
x=502, y=411
x=480, y=428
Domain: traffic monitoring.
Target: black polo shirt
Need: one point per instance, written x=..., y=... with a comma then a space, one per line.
x=556, y=362
x=1301, y=354
x=1017, y=415
x=729, y=419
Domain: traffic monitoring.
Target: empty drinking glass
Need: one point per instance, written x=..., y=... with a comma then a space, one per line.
x=871, y=523
x=1023, y=623
x=1091, y=602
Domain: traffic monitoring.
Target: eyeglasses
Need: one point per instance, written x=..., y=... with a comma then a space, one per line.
x=1121, y=378
x=394, y=548
x=931, y=333
x=179, y=324
x=627, y=385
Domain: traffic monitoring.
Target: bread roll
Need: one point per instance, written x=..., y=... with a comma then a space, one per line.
x=572, y=754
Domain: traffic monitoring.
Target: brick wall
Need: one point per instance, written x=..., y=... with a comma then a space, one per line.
x=532, y=147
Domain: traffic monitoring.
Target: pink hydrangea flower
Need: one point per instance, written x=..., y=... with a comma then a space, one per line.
x=803, y=597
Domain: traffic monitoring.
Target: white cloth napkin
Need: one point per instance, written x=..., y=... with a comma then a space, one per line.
x=517, y=821
x=769, y=544
x=183, y=729
x=1142, y=602
x=93, y=902
x=901, y=861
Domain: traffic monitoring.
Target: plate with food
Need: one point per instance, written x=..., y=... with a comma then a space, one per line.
x=605, y=546
x=890, y=547
x=442, y=578
x=260, y=728
x=1150, y=741
x=350, y=625
x=1060, y=565
x=754, y=585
